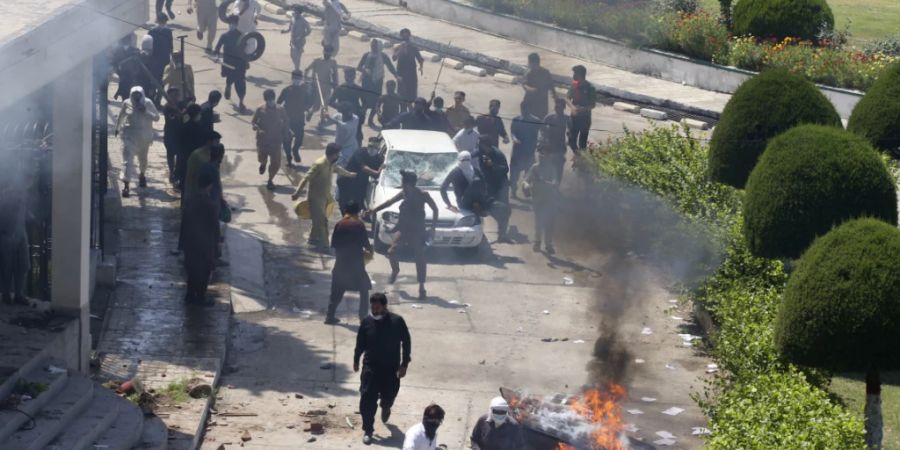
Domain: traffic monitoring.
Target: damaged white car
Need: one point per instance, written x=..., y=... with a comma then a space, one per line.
x=431, y=155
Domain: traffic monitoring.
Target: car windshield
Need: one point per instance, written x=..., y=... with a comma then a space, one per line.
x=431, y=168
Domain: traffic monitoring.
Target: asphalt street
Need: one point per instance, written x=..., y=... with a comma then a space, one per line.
x=285, y=363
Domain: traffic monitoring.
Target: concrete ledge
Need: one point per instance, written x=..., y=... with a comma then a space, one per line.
x=506, y=78
x=694, y=124
x=650, y=62
x=475, y=70
x=654, y=114
x=359, y=36
x=273, y=9
x=453, y=63
x=429, y=56
x=627, y=107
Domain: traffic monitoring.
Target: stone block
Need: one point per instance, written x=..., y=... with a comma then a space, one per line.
x=695, y=124
x=475, y=70
x=273, y=9
x=429, y=56
x=359, y=36
x=627, y=107
x=454, y=63
x=506, y=78
x=654, y=114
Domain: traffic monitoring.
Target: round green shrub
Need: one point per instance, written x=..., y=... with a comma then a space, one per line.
x=803, y=19
x=763, y=107
x=877, y=116
x=809, y=180
x=841, y=307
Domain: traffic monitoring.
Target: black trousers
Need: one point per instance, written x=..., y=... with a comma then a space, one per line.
x=337, y=295
x=239, y=80
x=171, y=143
x=376, y=383
x=294, y=139
x=578, y=134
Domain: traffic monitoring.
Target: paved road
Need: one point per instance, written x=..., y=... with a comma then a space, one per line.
x=459, y=358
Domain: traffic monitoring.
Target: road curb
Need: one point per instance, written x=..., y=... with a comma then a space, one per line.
x=497, y=64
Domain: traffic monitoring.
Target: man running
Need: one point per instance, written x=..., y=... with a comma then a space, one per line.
x=299, y=29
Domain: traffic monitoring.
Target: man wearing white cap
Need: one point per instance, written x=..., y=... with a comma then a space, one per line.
x=496, y=430
x=135, y=121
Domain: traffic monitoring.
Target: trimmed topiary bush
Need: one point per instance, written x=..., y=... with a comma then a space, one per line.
x=841, y=308
x=809, y=180
x=763, y=107
x=877, y=116
x=804, y=19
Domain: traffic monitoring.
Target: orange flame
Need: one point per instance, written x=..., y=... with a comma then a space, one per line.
x=601, y=407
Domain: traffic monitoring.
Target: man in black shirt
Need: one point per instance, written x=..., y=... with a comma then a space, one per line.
x=163, y=44
x=298, y=101
x=491, y=125
x=417, y=119
x=351, y=93
x=208, y=115
x=408, y=59
x=234, y=64
x=173, y=111
x=350, y=242
x=493, y=166
x=364, y=160
x=384, y=340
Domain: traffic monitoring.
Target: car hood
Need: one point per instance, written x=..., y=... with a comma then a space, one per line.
x=383, y=193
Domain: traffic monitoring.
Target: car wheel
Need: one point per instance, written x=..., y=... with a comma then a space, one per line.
x=379, y=246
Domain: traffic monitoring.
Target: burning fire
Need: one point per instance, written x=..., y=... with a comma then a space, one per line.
x=602, y=409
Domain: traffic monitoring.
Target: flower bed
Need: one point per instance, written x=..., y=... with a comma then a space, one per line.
x=702, y=35
x=757, y=400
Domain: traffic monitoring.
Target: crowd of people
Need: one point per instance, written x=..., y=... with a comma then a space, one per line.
x=155, y=82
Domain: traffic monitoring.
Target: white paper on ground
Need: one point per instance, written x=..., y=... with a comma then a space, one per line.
x=639, y=361
x=665, y=434
x=631, y=428
x=635, y=412
x=664, y=442
x=646, y=331
x=648, y=399
x=673, y=411
x=699, y=431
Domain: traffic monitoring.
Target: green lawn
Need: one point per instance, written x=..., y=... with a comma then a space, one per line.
x=852, y=389
x=868, y=19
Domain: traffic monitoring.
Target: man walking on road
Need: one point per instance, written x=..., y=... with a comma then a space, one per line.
x=490, y=125
x=323, y=75
x=385, y=341
x=552, y=138
x=411, y=229
x=318, y=178
x=582, y=98
x=409, y=64
x=271, y=125
x=542, y=184
x=297, y=100
x=524, y=130
x=299, y=29
x=234, y=64
x=207, y=21
x=496, y=430
x=334, y=12
x=538, y=84
x=136, y=125
x=350, y=242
